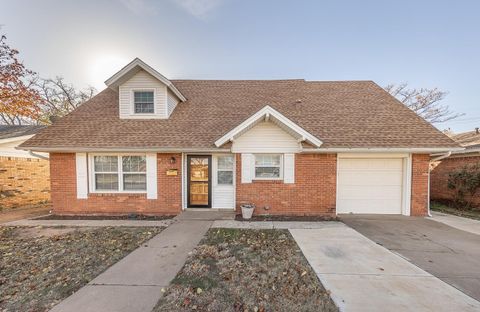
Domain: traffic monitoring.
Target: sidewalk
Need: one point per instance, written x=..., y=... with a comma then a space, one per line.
x=93, y=223
x=135, y=283
x=464, y=224
x=364, y=276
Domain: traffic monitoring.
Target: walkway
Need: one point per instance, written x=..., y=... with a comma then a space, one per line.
x=135, y=283
x=363, y=276
x=464, y=224
x=93, y=223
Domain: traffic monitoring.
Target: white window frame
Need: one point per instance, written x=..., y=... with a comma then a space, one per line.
x=226, y=170
x=254, y=174
x=132, y=101
x=91, y=174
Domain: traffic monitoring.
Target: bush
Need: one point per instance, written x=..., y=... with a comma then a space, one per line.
x=465, y=182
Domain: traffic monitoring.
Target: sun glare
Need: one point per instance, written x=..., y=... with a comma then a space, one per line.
x=104, y=66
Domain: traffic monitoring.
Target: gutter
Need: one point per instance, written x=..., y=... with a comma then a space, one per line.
x=38, y=155
x=228, y=150
x=429, y=170
x=121, y=150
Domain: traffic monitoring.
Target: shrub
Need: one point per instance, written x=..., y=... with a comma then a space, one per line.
x=465, y=182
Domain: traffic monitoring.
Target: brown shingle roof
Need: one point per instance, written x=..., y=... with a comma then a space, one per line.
x=352, y=114
x=468, y=138
x=13, y=131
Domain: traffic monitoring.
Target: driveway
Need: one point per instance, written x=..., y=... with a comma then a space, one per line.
x=448, y=253
x=363, y=276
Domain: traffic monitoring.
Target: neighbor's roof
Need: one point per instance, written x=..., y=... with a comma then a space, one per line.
x=343, y=114
x=8, y=132
x=468, y=138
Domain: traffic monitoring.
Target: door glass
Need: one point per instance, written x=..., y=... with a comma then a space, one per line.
x=199, y=181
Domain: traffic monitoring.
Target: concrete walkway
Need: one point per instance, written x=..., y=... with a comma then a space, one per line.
x=92, y=223
x=264, y=225
x=464, y=224
x=135, y=283
x=363, y=276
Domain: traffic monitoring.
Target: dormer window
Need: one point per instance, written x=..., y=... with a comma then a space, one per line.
x=143, y=102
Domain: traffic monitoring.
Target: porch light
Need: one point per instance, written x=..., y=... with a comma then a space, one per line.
x=172, y=160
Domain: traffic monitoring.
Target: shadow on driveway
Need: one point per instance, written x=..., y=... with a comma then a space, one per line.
x=447, y=253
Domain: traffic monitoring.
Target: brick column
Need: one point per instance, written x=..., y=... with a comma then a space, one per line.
x=419, y=201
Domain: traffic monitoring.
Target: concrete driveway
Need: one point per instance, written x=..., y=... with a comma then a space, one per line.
x=448, y=253
x=363, y=276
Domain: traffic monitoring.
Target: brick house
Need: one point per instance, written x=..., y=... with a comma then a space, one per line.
x=151, y=145
x=456, y=161
x=24, y=177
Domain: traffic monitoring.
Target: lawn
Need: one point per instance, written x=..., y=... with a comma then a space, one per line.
x=467, y=213
x=246, y=270
x=40, y=266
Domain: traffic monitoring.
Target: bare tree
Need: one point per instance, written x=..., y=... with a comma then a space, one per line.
x=425, y=102
x=60, y=98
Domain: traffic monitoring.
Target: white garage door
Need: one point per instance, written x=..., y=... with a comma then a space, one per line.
x=370, y=185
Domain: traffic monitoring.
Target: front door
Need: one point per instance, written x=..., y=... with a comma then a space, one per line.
x=199, y=172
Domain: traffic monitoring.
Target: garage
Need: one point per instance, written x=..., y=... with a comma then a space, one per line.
x=370, y=185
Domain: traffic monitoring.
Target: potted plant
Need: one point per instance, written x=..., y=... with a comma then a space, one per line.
x=247, y=211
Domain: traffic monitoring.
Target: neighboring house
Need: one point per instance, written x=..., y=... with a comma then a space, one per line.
x=459, y=159
x=151, y=145
x=24, y=176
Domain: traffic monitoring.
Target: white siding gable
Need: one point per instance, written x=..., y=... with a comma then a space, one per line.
x=266, y=137
x=142, y=81
x=172, y=102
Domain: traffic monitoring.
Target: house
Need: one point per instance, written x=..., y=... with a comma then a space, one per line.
x=456, y=161
x=151, y=145
x=24, y=176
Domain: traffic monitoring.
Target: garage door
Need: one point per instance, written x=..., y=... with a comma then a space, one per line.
x=370, y=185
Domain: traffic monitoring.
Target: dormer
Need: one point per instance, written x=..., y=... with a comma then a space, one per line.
x=144, y=93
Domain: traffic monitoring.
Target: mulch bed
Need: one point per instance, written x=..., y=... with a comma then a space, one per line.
x=40, y=266
x=286, y=218
x=246, y=270
x=92, y=217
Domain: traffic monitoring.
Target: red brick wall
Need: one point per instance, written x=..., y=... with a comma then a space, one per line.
x=64, y=197
x=23, y=182
x=419, y=201
x=439, y=178
x=313, y=193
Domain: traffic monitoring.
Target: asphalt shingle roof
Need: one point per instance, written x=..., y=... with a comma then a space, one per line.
x=8, y=131
x=351, y=114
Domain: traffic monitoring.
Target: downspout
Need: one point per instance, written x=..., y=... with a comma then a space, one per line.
x=429, y=170
x=37, y=155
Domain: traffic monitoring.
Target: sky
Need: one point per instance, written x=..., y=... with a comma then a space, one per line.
x=424, y=43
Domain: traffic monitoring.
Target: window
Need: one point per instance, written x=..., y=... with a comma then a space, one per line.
x=225, y=170
x=143, y=102
x=268, y=166
x=120, y=173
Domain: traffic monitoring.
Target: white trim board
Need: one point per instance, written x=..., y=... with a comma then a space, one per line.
x=267, y=113
x=133, y=67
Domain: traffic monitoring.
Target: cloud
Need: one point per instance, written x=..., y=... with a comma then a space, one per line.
x=198, y=8
x=140, y=6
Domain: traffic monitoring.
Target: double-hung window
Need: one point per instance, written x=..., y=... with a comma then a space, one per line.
x=268, y=166
x=225, y=170
x=143, y=102
x=122, y=173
